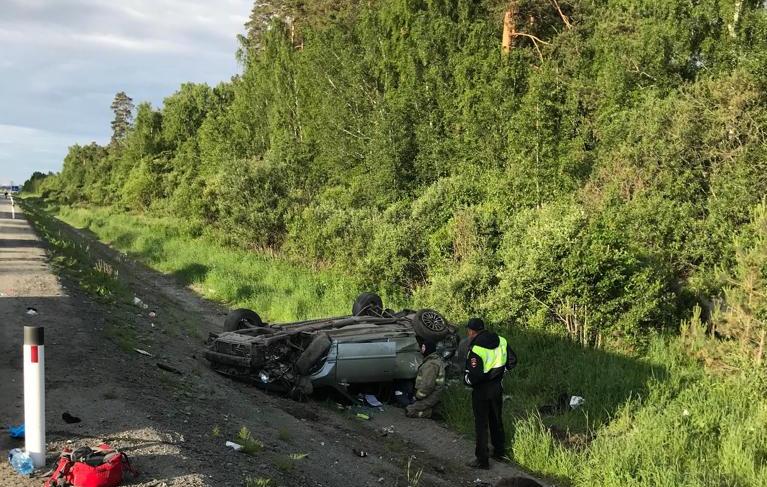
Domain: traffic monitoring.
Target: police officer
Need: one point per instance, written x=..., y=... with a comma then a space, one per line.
x=429, y=382
x=488, y=358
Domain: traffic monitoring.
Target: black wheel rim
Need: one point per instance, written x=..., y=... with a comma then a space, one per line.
x=433, y=321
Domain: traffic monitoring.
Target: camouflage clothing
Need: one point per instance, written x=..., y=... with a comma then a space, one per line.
x=429, y=384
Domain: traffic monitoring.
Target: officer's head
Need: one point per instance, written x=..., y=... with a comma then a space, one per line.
x=474, y=326
x=428, y=348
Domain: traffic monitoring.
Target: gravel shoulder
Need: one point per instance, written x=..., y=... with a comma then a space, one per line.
x=174, y=425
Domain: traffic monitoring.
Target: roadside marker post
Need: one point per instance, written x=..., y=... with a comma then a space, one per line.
x=13, y=209
x=34, y=394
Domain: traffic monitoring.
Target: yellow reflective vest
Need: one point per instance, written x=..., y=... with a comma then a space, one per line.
x=492, y=358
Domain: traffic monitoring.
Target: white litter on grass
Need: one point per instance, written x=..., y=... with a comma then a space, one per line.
x=685, y=413
x=138, y=302
x=143, y=352
x=576, y=402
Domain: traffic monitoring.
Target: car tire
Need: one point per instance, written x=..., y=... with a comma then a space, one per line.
x=367, y=304
x=314, y=352
x=241, y=319
x=430, y=325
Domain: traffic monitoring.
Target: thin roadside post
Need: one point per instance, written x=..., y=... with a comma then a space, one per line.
x=34, y=394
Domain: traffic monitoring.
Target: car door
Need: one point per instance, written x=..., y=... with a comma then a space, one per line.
x=366, y=361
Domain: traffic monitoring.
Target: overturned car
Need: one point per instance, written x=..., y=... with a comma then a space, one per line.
x=372, y=345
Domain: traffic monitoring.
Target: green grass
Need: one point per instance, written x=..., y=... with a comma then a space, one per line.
x=660, y=420
x=250, y=445
x=276, y=289
x=657, y=420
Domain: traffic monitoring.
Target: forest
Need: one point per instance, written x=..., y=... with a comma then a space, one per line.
x=598, y=176
x=591, y=169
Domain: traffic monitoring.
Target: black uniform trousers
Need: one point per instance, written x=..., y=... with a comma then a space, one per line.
x=488, y=416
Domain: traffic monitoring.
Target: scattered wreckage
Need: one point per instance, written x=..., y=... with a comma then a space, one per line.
x=372, y=345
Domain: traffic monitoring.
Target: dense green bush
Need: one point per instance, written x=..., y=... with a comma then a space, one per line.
x=535, y=244
x=250, y=199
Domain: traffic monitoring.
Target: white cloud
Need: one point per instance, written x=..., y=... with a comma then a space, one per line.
x=132, y=44
x=62, y=61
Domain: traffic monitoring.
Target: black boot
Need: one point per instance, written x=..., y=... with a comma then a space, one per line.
x=500, y=457
x=480, y=464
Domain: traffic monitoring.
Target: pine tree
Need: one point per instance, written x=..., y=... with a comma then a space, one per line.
x=295, y=15
x=122, y=106
x=745, y=309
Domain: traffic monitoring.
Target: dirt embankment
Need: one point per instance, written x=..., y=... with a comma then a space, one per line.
x=174, y=425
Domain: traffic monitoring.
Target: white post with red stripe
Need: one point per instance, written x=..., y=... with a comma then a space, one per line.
x=34, y=394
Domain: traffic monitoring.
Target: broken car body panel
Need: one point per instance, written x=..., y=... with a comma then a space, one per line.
x=360, y=349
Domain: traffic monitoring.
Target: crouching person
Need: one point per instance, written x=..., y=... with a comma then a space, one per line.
x=429, y=383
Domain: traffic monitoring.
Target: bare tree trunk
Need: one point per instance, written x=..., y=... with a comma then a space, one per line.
x=735, y=18
x=509, y=27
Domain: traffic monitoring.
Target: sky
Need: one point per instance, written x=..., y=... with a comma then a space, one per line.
x=62, y=61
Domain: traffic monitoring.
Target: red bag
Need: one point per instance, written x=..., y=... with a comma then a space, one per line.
x=104, y=468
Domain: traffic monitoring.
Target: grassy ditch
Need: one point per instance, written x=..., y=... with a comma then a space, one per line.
x=75, y=260
x=276, y=289
x=657, y=419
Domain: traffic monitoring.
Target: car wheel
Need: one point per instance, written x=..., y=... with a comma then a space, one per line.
x=313, y=353
x=367, y=304
x=430, y=325
x=241, y=319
